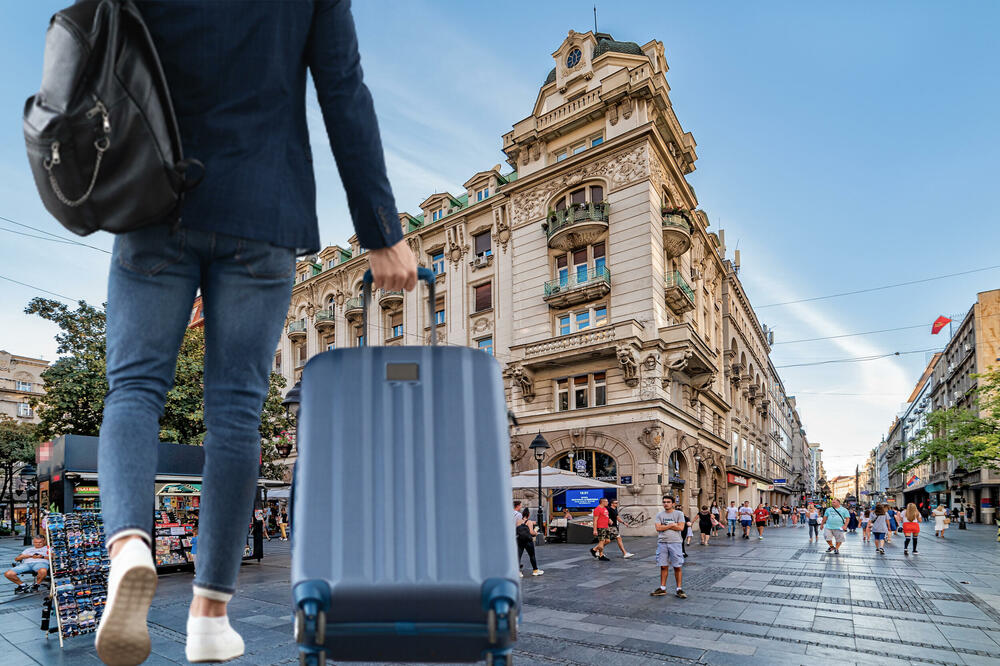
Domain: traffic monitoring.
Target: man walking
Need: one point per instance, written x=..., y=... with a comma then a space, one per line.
x=834, y=520
x=746, y=518
x=669, y=524
x=602, y=521
x=786, y=513
x=732, y=517
x=237, y=72
x=518, y=519
x=613, y=529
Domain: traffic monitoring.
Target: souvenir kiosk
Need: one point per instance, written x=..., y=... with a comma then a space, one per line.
x=67, y=480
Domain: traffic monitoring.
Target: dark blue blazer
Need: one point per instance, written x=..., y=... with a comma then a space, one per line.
x=237, y=75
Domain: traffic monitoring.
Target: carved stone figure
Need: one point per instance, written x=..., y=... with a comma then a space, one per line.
x=679, y=362
x=652, y=439
x=613, y=114
x=501, y=229
x=626, y=359
x=523, y=379
x=650, y=362
x=517, y=451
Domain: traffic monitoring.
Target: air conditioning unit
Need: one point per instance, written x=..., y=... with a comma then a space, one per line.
x=482, y=260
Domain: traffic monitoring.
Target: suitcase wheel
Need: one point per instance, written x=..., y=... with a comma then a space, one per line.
x=498, y=658
x=310, y=624
x=502, y=616
x=312, y=658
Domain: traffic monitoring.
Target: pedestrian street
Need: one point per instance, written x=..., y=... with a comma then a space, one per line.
x=777, y=601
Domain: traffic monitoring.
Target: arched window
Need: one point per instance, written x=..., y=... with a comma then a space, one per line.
x=581, y=195
x=590, y=463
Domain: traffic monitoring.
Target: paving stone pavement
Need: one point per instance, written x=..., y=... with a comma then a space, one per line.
x=777, y=601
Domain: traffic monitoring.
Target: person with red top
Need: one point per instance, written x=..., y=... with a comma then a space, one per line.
x=602, y=521
x=760, y=516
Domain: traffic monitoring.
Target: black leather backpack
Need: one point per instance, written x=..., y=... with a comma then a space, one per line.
x=101, y=134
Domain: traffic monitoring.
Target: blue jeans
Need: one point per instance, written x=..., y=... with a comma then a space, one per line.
x=246, y=287
x=732, y=525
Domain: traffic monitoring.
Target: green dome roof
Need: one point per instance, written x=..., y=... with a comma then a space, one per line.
x=551, y=77
x=605, y=45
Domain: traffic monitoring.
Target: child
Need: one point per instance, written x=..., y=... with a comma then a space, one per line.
x=879, y=526
x=866, y=534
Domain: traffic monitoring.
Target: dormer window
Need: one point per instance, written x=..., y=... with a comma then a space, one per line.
x=437, y=215
x=482, y=194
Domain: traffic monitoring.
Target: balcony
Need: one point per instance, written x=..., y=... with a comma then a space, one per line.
x=576, y=226
x=680, y=296
x=354, y=307
x=297, y=330
x=324, y=320
x=578, y=288
x=389, y=298
x=676, y=232
x=587, y=345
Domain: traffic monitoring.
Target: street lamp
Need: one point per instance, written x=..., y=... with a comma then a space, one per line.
x=27, y=474
x=291, y=403
x=538, y=447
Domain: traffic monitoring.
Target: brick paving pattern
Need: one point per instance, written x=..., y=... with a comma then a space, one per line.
x=777, y=601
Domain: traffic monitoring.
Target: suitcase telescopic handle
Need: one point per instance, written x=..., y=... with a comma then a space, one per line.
x=424, y=274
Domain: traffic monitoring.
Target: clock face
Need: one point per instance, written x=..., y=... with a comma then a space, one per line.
x=573, y=59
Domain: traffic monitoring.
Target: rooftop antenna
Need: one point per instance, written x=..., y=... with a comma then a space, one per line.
x=595, y=19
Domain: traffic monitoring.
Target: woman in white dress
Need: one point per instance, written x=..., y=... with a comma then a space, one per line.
x=940, y=514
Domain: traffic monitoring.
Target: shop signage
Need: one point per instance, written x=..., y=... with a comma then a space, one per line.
x=764, y=486
x=939, y=487
x=180, y=489
x=580, y=465
x=736, y=479
x=780, y=482
x=86, y=490
x=986, y=503
x=626, y=480
x=676, y=480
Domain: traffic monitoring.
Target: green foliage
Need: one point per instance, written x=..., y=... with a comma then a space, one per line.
x=970, y=437
x=17, y=445
x=75, y=384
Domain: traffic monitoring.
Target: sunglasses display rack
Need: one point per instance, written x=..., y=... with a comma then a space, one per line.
x=79, y=571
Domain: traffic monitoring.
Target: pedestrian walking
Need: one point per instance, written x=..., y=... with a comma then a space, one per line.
x=526, y=532
x=732, y=518
x=834, y=521
x=803, y=515
x=970, y=513
x=706, y=524
x=760, y=517
x=283, y=525
x=879, y=527
x=518, y=518
x=911, y=527
x=775, y=515
x=812, y=516
x=786, y=514
x=602, y=521
x=852, y=523
x=613, y=528
x=746, y=518
x=940, y=521
x=894, y=519
x=669, y=526
x=865, y=521
x=717, y=514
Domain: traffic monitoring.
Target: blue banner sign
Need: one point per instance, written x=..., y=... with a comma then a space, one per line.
x=583, y=499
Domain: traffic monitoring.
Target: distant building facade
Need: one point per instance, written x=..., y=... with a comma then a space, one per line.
x=20, y=383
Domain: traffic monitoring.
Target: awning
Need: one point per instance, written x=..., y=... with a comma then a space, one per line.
x=279, y=493
x=556, y=479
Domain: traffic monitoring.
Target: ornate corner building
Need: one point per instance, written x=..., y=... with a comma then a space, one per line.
x=589, y=272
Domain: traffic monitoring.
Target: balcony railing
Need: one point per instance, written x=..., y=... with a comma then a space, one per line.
x=680, y=296
x=325, y=318
x=355, y=303
x=574, y=280
x=585, y=212
x=297, y=329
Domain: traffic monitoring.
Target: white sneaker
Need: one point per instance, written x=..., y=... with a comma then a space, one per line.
x=212, y=639
x=537, y=572
x=520, y=574
x=628, y=555
x=122, y=637
x=760, y=538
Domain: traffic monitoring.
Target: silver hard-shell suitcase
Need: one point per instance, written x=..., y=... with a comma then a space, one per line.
x=403, y=542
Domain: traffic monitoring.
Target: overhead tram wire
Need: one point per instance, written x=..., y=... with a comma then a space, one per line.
x=858, y=359
x=880, y=288
x=63, y=239
x=44, y=291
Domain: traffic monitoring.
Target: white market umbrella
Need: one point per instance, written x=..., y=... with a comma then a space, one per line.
x=555, y=479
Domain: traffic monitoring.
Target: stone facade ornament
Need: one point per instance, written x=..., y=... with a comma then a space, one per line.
x=501, y=228
x=613, y=114
x=517, y=451
x=635, y=488
x=626, y=105
x=536, y=150
x=650, y=362
x=524, y=380
x=482, y=325
x=626, y=359
x=7, y=362
x=652, y=439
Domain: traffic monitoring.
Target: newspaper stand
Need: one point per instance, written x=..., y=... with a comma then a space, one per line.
x=78, y=571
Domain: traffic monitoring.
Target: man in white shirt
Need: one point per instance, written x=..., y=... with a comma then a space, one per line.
x=732, y=517
x=32, y=560
x=746, y=519
x=518, y=519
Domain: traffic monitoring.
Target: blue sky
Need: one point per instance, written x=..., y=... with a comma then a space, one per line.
x=841, y=146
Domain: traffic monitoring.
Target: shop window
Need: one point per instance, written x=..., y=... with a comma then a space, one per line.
x=589, y=463
x=486, y=345
x=483, y=297
x=483, y=244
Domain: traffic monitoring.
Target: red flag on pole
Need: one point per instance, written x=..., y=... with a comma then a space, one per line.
x=939, y=323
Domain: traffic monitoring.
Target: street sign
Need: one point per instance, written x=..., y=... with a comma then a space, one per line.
x=626, y=480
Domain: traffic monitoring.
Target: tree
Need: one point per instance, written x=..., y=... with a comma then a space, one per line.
x=75, y=385
x=17, y=445
x=970, y=437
